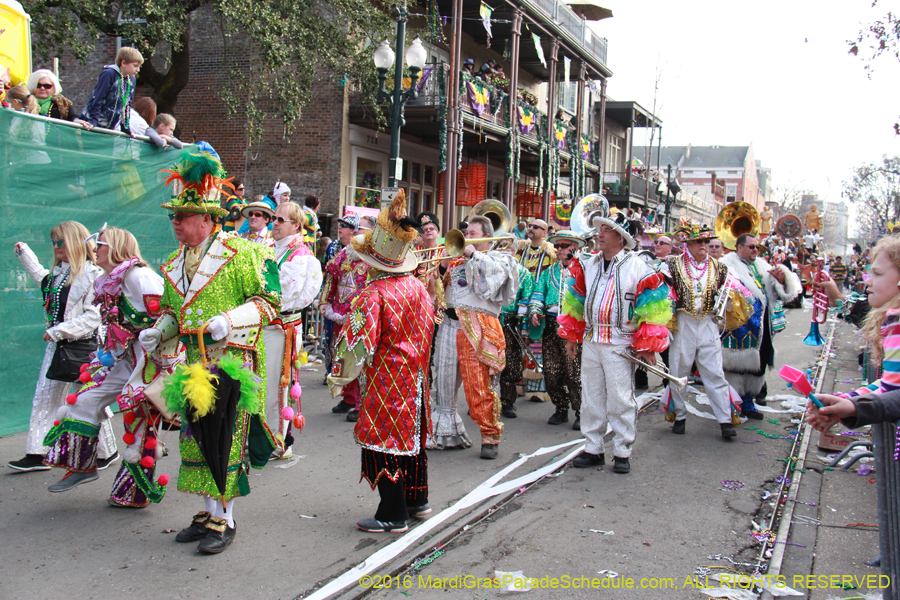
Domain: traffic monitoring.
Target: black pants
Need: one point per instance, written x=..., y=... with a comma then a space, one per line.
x=409, y=489
x=562, y=375
x=512, y=372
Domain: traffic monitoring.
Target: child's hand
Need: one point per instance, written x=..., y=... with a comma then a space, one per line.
x=835, y=409
x=84, y=124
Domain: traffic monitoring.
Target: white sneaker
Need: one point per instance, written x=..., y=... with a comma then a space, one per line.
x=288, y=452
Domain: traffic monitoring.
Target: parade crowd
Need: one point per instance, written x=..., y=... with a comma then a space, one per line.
x=211, y=342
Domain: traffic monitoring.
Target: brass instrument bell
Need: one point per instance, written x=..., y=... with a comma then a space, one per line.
x=734, y=220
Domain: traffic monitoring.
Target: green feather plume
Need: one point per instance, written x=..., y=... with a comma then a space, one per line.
x=249, y=399
x=195, y=168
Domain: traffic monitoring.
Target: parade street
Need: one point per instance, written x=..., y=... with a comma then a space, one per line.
x=296, y=533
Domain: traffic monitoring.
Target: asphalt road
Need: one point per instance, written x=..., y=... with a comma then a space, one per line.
x=296, y=531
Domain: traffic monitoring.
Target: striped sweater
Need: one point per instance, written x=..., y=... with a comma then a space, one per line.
x=890, y=378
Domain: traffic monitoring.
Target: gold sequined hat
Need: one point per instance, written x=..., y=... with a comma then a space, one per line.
x=387, y=246
x=693, y=232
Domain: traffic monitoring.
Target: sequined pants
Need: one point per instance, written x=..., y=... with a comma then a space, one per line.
x=698, y=342
x=607, y=398
x=49, y=396
x=562, y=375
x=276, y=395
x=449, y=431
x=512, y=372
x=482, y=390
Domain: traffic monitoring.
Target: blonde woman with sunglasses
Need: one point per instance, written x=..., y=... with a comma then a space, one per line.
x=68, y=293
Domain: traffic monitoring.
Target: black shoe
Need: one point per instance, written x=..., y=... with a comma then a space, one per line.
x=508, y=411
x=102, y=463
x=218, y=536
x=418, y=512
x=489, y=451
x=353, y=416
x=373, y=525
x=621, y=465
x=31, y=462
x=196, y=530
x=559, y=417
x=755, y=415
x=342, y=407
x=586, y=459
x=576, y=426
x=728, y=430
x=761, y=401
x=678, y=427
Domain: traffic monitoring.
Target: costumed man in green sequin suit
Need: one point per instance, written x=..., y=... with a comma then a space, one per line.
x=231, y=286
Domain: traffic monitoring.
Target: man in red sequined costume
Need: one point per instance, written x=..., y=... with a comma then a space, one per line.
x=387, y=342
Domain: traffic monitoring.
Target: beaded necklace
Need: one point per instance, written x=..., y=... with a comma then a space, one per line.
x=124, y=95
x=528, y=256
x=52, y=295
x=696, y=288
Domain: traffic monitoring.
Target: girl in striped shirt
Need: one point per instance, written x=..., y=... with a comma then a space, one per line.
x=882, y=332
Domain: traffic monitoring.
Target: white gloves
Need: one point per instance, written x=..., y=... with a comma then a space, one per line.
x=149, y=339
x=218, y=327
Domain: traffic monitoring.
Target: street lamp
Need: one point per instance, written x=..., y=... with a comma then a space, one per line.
x=671, y=189
x=384, y=56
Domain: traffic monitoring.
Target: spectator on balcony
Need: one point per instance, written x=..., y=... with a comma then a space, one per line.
x=469, y=66
x=47, y=92
x=486, y=72
x=142, y=113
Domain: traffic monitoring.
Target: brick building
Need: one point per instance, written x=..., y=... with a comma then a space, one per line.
x=335, y=150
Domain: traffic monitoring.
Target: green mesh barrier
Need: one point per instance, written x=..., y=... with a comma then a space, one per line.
x=52, y=173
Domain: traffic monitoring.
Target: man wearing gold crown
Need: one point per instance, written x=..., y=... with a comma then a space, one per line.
x=230, y=287
x=387, y=344
x=698, y=280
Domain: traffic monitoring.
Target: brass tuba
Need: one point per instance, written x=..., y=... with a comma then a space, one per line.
x=497, y=214
x=735, y=220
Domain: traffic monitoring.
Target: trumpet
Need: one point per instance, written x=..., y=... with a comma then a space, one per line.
x=538, y=368
x=660, y=370
x=423, y=250
x=455, y=244
x=721, y=306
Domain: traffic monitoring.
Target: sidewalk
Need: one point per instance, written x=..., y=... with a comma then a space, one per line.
x=839, y=533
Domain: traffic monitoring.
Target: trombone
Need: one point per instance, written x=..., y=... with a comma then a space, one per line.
x=455, y=244
x=659, y=370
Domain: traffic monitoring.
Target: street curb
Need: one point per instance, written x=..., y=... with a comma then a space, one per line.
x=784, y=525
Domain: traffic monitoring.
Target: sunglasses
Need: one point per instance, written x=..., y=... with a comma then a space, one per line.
x=753, y=247
x=45, y=86
x=661, y=243
x=281, y=220
x=258, y=214
x=538, y=227
x=179, y=217
x=345, y=226
x=240, y=189
x=563, y=246
x=58, y=243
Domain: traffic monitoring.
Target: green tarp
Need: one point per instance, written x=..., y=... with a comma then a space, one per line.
x=53, y=173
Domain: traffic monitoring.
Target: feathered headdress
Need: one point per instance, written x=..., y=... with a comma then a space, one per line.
x=197, y=182
x=387, y=246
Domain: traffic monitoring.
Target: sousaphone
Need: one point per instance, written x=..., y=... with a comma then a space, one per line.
x=497, y=214
x=734, y=220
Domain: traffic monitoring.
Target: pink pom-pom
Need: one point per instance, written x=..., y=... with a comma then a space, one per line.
x=114, y=311
x=84, y=377
x=71, y=398
x=147, y=462
x=153, y=306
x=150, y=444
x=296, y=391
x=128, y=438
x=287, y=413
x=163, y=480
x=83, y=367
x=299, y=422
x=129, y=418
x=56, y=423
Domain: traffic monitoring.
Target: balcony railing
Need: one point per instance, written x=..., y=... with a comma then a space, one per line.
x=497, y=107
x=617, y=184
x=567, y=20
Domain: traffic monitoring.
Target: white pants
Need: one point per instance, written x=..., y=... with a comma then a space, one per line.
x=698, y=341
x=607, y=398
x=449, y=431
x=276, y=398
x=49, y=396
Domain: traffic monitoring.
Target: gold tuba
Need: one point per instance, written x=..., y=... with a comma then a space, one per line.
x=496, y=212
x=735, y=220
